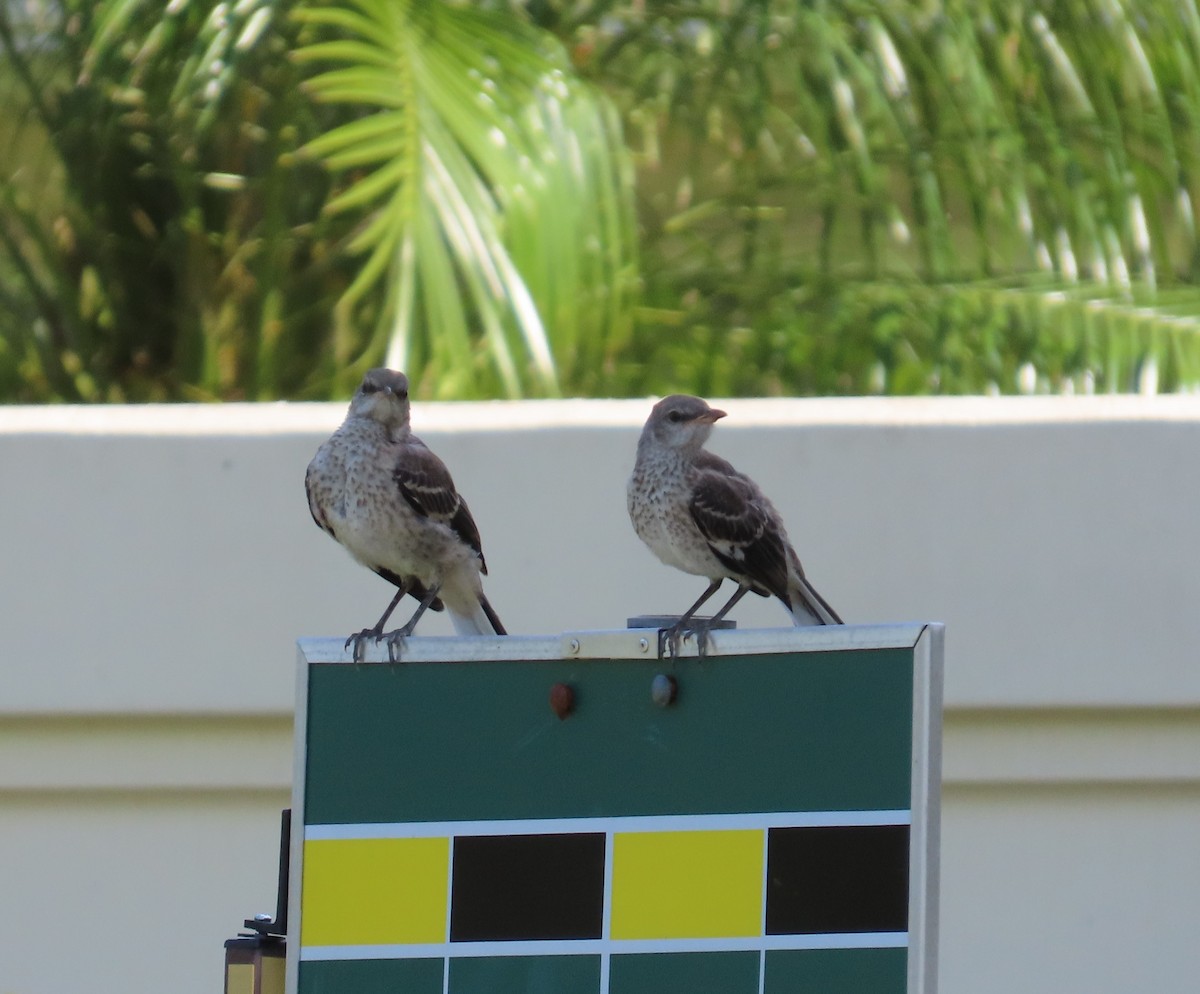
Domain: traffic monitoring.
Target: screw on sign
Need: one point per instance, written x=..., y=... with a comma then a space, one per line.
x=562, y=700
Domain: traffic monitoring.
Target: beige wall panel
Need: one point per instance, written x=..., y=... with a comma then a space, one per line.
x=157, y=564
x=124, y=893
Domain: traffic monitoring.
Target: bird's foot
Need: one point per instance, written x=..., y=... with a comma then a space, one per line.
x=359, y=640
x=700, y=630
x=395, y=641
x=670, y=639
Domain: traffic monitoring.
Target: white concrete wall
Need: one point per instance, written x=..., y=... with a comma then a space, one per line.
x=157, y=564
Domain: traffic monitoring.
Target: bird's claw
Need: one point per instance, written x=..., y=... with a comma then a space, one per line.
x=701, y=631
x=395, y=642
x=359, y=639
x=669, y=639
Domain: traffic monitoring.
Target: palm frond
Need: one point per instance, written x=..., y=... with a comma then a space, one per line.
x=492, y=190
x=811, y=148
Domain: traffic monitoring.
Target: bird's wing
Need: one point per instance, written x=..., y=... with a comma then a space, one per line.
x=736, y=520
x=466, y=529
x=314, y=508
x=427, y=487
x=425, y=483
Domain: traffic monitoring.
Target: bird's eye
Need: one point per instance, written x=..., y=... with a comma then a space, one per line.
x=369, y=387
x=675, y=416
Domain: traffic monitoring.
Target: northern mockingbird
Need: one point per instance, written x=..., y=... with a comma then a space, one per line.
x=699, y=514
x=376, y=488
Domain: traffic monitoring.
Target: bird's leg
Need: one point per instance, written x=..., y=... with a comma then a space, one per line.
x=376, y=633
x=702, y=629
x=396, y=638
x=668, y=638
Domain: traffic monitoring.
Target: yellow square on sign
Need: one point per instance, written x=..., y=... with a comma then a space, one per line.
x=365, y=892
x=687, y=885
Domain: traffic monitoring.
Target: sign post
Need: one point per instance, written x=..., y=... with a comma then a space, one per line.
x=571, y=814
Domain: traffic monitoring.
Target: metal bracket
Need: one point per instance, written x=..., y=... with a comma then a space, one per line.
x=610, y=644
x=640, y=638
x=263, y=926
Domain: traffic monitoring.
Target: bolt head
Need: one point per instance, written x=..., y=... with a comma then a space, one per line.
x=663, y=690
x=562, y=700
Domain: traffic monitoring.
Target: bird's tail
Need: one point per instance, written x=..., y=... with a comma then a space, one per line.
x=476, y=617
x=807, y=606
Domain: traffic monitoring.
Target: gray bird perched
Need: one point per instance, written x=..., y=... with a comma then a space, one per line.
x=700, y=515
x=376, y=488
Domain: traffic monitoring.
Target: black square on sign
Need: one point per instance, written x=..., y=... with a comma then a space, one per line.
x=527, y=887
x=838, y=879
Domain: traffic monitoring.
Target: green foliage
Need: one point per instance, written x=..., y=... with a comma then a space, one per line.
x=162, y=270
x=199, y=250
x=802, y=163
x=829, y=337
x=493, y=190
x=213, y=200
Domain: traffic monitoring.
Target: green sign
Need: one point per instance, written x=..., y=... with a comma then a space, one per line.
x=772, y=828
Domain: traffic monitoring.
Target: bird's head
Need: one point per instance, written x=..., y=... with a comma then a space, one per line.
x=681, y=422
x=382, y=396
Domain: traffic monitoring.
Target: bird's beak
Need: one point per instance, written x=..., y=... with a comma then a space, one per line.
x=712, y=415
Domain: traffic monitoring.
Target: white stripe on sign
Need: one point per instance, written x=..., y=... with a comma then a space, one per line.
x=636, y=823
x=610, y=947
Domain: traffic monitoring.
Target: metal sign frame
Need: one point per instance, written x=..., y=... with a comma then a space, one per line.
x=493, y=717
